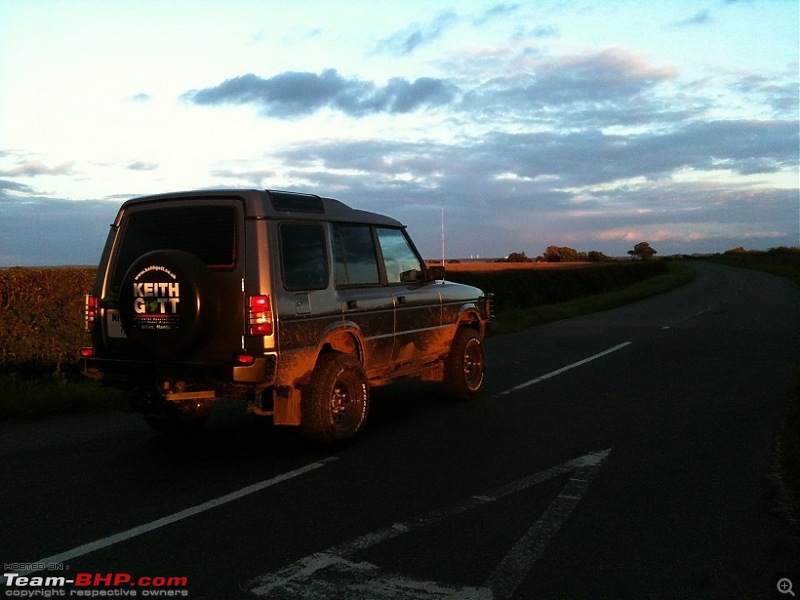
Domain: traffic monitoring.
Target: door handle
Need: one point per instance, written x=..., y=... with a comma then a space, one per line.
x=401, y=299
x=352, y=304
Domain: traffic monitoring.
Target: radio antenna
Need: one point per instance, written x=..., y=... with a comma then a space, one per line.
x=443, y=236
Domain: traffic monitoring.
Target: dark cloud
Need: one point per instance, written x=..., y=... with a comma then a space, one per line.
x=548, y=160
x=296, y=94
x=407, y=40
x=589, y=189
x=41, y=231
x=14, y=187
x=609, y=78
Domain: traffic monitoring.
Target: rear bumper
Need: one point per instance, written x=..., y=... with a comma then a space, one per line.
x=126, y=372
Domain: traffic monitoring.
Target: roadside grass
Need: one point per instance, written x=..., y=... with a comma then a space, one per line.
x=679, y=272
x=783, y=264
x=24, y=398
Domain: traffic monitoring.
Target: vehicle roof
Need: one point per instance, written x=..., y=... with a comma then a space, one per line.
x=276, y=204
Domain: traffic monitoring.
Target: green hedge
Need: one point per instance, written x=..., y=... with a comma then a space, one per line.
x=41, y=310
x=521, y=288
x=41, y=319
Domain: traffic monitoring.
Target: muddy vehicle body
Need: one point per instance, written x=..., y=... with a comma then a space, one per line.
x=295, y=303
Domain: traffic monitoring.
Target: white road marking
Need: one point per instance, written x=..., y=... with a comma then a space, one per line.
x=516, y=565
x=331, y=574
x=178, y=516
x=563, y=370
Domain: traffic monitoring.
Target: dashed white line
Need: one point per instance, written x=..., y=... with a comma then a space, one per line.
x=178, y=516
x=563, y=369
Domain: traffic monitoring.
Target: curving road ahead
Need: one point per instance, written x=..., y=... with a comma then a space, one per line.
x=624, y=454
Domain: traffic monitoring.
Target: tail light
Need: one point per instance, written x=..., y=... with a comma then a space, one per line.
x=91, y=310
x=260, y=315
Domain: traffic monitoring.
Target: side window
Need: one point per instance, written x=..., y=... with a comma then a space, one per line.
x=304, y=259
x=400, y=260
x=354, y=255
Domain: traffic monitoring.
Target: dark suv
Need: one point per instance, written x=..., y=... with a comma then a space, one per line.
x=295, y=303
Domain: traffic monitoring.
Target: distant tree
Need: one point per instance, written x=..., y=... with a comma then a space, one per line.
x=643, y=251
x=517, y=257
x=595, y=256
x=560, y=254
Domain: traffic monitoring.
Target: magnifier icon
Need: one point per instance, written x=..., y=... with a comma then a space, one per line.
x=785, y=586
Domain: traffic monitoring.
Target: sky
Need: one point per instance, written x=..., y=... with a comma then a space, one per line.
x=593, y=124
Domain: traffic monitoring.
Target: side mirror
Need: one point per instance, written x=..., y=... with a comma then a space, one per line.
x=434, y=273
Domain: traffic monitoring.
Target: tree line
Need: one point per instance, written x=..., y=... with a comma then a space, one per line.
x=554, y=254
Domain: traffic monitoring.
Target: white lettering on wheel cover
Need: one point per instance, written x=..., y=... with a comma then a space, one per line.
x=156, y=303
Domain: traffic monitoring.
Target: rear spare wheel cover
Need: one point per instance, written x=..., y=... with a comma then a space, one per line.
x=167, y=302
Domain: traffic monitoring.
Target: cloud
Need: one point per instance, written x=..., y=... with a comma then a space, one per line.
x=34, y=168
x=407, y=40
x=295, y=94
x=611, y=87
x=143, y=97
x=701, y=18
x=141, y=165
x=247, y=177
x=14, y=187
x=497, y=11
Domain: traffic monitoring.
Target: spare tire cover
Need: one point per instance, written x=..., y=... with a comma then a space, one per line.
x=167, y=302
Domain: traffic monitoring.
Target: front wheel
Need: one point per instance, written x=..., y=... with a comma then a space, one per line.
x=465, y=366
x=335, y=404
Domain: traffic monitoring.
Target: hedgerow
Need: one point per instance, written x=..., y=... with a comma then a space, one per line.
x=41, y=319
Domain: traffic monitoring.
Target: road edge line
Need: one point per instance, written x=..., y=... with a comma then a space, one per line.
x=175, y=517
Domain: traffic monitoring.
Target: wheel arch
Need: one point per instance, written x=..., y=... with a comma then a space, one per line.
x=345, y=338
x=470, y=317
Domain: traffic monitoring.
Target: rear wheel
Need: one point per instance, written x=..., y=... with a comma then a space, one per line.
x=465, y=366
x=335, y=404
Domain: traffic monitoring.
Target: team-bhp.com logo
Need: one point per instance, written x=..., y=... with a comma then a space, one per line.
x=93, y=585
x=156, y=299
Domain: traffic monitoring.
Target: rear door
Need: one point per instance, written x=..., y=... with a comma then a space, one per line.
x=202, y=230
x=364, y=297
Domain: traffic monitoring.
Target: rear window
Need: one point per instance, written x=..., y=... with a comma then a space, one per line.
x=208, y=232
x=304, y=256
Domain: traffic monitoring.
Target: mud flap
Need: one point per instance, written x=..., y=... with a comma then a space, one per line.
x=286, y=406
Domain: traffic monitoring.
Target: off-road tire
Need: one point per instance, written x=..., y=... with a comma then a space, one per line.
x=465, y=366
x=335, y=404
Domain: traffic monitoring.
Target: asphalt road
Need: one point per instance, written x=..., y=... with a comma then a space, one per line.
x=624, y=454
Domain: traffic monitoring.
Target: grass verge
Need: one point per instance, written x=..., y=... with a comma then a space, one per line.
x=514, y=319
x=51, y=396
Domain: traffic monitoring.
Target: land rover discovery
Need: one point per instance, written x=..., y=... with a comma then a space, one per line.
x=295, y=303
